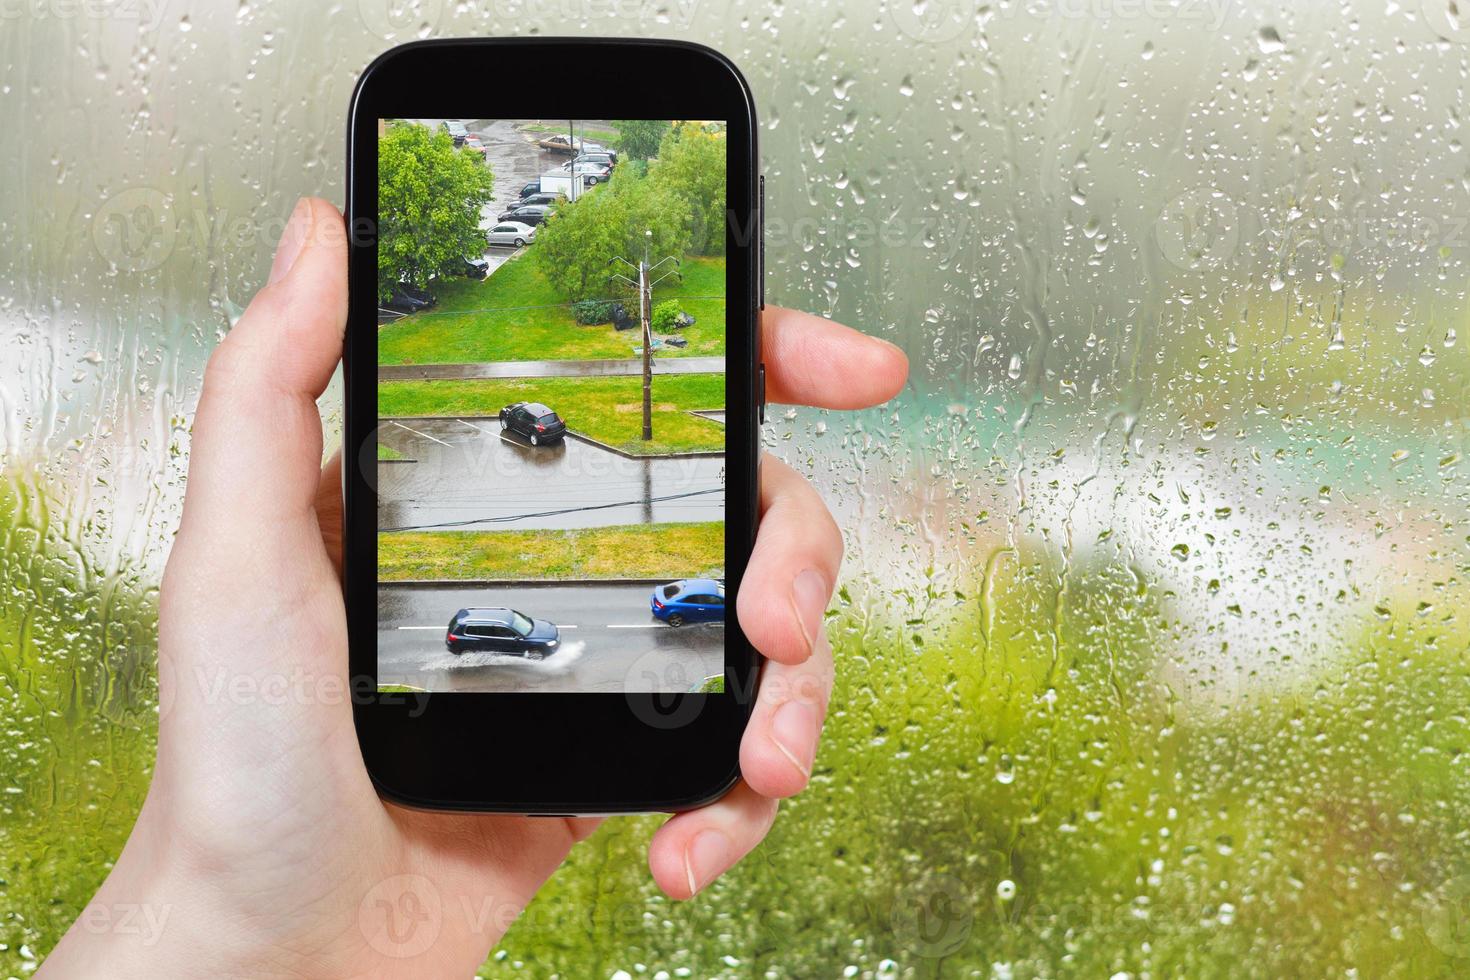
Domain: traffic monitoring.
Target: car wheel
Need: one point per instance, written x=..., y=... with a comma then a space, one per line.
x=535, y=654
x=520, y=242
x=535, y=439
x=676, y=620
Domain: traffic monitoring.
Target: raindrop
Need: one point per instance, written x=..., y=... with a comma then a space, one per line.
x=1269, y=41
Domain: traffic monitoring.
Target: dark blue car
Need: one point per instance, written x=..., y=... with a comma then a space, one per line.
x=690, y=600
x=501, y=630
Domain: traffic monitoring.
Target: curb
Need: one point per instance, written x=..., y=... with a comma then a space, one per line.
x=699, y=454
x=517, y=583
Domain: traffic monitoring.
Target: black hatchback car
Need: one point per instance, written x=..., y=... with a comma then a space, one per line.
x=501, y=630
x=533, y=420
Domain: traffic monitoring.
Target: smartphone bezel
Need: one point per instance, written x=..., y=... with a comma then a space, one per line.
x=550, y=753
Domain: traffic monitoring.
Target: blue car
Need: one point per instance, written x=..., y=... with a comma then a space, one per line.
x=690, y=600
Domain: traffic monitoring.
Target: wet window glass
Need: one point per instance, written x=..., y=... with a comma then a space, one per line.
x=1152, y=634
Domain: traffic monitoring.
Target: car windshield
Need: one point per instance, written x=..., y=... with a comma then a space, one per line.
x=549, y=417
x=671, y=590
x=521, y=623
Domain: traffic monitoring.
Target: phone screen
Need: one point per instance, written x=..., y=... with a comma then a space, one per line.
x=551, y=405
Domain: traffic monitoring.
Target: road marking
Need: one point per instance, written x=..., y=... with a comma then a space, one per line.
x=472, y=426
x=635, y=626
x=424, y=434
x=564, y=626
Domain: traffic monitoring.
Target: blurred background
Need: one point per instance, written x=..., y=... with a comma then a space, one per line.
x=1152, y=638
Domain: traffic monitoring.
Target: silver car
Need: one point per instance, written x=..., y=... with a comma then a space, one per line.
x=511, y=233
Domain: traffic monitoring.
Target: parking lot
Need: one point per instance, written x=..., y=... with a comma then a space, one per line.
x=471, y=475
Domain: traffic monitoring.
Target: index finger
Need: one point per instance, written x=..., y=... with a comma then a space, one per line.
x=812, y=361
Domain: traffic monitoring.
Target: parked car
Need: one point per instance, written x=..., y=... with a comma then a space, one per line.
x=591, y=173
x=527, y=214
x=510, y=233
x=605, y=157
x=559, y=144
x=533, y=187
x=401, y=302
x=421, y=295
x=456, y=131
x=533, y=420
x=472, y=142
x=546, y=197
x=476, y=268
x=690, y=600
x=501, y=630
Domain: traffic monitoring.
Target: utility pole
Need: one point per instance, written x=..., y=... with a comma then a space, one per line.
x=645, y=313
x=645, y=285
x=572, y=142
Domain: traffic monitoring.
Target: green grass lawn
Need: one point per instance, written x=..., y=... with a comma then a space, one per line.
x=387, y=452
x=515, y=315
x=609, y=410
x=626, y=551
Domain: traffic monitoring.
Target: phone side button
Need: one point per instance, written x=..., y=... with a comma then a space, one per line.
x=762, y=394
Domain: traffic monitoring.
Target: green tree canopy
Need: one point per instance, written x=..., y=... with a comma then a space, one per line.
x=577, y=243
x=691, y=166
x=638, y=139
x=429, y=201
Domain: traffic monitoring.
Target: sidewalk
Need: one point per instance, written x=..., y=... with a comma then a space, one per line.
x=629, y=367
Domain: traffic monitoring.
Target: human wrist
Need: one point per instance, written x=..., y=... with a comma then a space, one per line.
x=161, y=912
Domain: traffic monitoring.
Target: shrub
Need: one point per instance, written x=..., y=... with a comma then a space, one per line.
x=665, y=315
x=590, y=311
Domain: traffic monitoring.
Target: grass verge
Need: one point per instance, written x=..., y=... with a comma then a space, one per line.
x=624, y=551
x=516, y=315
x=609, y=410
x=387, y=452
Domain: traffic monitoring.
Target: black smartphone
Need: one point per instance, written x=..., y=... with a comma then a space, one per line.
x=553, y=402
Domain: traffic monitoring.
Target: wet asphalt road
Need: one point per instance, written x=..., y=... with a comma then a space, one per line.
x=610, y=642
x=514, y=159
x=467, y=470
x=626, y=367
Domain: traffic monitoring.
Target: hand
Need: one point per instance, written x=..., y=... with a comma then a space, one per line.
x=262, y=838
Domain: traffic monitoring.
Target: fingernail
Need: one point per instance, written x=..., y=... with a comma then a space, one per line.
x=293, y=241
x=706, y=856
x=794, y=733
x=809, y=594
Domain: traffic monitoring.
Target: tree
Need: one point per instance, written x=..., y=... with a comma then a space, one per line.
x=429, y=201
x=638, y=139
x=580, y=238
x=575, y=243
x=691, y=167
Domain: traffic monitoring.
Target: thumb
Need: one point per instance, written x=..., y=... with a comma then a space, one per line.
x=255, y=454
